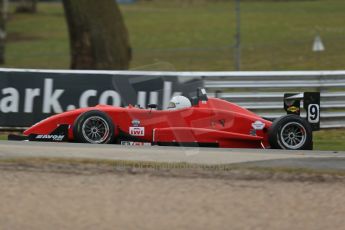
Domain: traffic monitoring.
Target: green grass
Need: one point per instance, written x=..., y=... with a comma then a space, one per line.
x=38, y=41
x=199, y=36
x=327, y=140
x=330, y=140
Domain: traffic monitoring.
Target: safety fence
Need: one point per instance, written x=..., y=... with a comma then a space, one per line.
x=263, y=92
x=27, y=96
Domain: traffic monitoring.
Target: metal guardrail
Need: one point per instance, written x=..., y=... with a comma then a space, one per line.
x=263, y=92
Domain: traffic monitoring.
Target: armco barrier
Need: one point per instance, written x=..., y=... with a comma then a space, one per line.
x=262, y=92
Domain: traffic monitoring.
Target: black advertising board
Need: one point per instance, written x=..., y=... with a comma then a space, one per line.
x=28, y=96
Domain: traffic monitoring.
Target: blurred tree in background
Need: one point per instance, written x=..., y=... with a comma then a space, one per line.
x=26, y=6
x=98, y=36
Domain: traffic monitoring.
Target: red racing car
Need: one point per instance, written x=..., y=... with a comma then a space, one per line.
x=200, y=121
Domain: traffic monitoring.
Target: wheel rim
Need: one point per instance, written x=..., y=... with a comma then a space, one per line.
x=293, y=135
x=95, y=130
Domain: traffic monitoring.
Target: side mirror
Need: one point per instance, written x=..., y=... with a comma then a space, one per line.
x=194, y=101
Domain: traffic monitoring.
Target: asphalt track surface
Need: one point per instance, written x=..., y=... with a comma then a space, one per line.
x=329, y=160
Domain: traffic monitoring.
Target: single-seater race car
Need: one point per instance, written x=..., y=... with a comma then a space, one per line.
x=200, y=121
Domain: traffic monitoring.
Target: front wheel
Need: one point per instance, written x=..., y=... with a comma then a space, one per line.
x=291, y=132
x=93, y=127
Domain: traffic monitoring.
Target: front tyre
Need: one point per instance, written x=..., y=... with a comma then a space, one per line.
x=94, y=127
x=291, y=132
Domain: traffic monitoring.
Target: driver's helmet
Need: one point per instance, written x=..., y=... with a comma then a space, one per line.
x=179, y=102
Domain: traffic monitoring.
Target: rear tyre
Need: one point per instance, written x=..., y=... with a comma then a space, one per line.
x=94, y=127
x=291, y=132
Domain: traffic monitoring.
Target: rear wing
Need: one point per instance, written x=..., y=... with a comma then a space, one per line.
x=311, y=104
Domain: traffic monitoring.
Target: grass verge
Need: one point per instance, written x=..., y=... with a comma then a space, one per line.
x=276, y=35
x=330, y=140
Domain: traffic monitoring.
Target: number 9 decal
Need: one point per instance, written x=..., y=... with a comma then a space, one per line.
x=313, y=113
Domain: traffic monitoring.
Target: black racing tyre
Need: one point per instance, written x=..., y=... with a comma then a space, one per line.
x=93, y=127
x=291, y=132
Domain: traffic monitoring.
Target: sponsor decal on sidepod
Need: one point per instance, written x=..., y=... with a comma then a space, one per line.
x=137, y=131
x=136, y=123
x=258, y=125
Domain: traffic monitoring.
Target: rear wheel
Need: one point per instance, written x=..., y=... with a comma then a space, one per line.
x=291, y=132
x=93, y=127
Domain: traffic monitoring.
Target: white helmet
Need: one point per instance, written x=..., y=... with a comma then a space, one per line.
x=179, y=102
